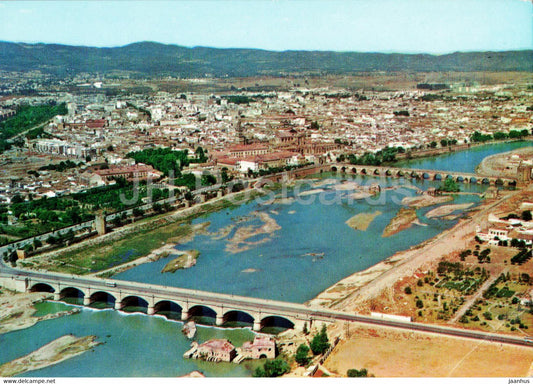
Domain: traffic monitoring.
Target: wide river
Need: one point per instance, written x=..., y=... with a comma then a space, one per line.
x=288, y=246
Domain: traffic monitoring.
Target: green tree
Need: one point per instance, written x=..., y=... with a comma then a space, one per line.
x=137, y=212
x=449, y=186
x=320, y=342
x=272, y=368
x=357, y=373
x=302, y=355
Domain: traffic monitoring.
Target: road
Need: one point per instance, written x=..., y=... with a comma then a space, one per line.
x=261, y=305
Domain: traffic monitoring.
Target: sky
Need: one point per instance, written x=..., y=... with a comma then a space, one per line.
x=403, y=26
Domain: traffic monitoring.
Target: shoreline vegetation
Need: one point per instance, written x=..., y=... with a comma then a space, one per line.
x=128, y=246
x=186, y=260
x=52, y=353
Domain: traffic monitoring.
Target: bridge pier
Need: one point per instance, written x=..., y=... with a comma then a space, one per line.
x=118, y=305
x=257, y=325
x=57, y=296
x=86, y=300
x=151, y=310
x=219, y=320
x=184, y=315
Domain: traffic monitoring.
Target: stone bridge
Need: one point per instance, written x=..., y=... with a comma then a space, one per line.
x=425, y=174
x=154, y=299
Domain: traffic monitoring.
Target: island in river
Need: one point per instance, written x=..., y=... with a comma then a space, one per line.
x=52, y=353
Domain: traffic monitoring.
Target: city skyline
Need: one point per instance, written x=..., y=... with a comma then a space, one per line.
x=435, y=27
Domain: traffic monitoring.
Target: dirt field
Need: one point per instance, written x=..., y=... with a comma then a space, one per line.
x=395, y=353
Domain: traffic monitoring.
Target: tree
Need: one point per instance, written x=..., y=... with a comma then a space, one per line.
x=449, y=186
x=357, y=373
x=137, y=212
x=526, y=216
x=200, y=155
x=444, y=143
x=302, y=355
x=320, y=342
x=272, y=368
x=408, y=290
x=433, y=144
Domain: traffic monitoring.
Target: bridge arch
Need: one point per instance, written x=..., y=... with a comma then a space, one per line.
x=449, y=177
x=276, y=322
x=485, y=181
x=72, y=294
x=169, y=309
x=241, y=318
x=354, y=170
x=334, y=169
x=42, y=287
x=473, y=180
x=363, y=171
x=376, y=172
x=203, y=314
x=460, y=179
x=343, y=169
x=101, y=299
x=511, y=183
x=498, y=182
x=134, y=304
x=400, y=173
x=437, y=177
x=425, y=176
x=415, y=175
x=388, y=172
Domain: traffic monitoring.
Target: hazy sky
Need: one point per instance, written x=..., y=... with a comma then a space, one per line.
x=433, y=26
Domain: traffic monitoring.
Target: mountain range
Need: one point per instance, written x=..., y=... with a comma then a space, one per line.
x=154, y=59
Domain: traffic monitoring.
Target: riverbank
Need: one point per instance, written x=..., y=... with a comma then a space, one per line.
x=129, y=245
x=354, y=292
x=504, y=164
x=52, y=353
x=17, y=310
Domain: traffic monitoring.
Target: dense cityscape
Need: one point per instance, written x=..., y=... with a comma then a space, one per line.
x=227, y=212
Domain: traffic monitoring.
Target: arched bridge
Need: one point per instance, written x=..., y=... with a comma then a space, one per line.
x=258, y=312
x=426, y=174
x=183, y=303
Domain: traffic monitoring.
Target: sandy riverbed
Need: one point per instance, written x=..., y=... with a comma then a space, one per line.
x=52, y=353
x=447, y=210
x=17, y=310
x=403, y=220
x=425, y=200
x=240, y=241
x=361, y=221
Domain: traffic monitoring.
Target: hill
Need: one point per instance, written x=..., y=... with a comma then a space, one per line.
x=155, y=59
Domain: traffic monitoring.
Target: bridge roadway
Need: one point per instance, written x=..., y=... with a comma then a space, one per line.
x=259, y=309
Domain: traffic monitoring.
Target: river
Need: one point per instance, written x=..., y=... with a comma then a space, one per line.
x=309, y=248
